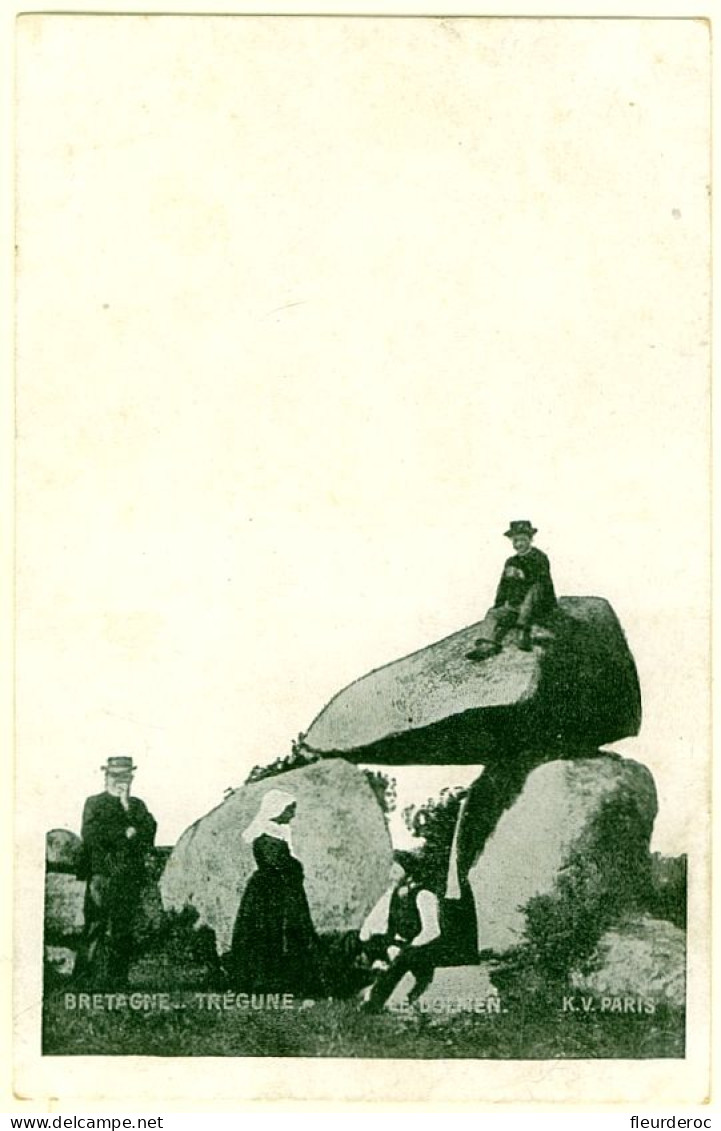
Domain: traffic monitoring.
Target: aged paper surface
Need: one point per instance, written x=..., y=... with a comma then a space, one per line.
x=308, y=309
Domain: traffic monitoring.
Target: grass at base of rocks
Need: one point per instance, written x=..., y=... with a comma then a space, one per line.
x=527, y=1031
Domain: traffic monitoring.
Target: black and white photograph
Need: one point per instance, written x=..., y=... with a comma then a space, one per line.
x=363, y=556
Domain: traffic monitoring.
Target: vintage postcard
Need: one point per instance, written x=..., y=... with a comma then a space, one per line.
x=363, y=558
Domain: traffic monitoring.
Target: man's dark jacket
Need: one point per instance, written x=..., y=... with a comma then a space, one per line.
x=520, y=572
x=107, y=849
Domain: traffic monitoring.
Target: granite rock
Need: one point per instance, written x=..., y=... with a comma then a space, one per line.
x=62, y=850
x=339, y=834
x=575, y=690
x=592, y=816
x=642, y=959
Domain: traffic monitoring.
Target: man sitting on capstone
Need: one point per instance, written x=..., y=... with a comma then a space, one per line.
x=525, y=595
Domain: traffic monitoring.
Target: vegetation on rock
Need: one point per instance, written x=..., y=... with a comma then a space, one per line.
x=434, y=822
x=383, y=786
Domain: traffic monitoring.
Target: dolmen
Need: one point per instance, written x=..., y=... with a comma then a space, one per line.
x=534, y=720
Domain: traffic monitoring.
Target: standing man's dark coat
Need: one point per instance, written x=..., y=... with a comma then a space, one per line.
x=113, y=863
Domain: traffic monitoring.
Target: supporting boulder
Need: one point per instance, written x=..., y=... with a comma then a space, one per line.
x=572, y=847
x=577, y=689
x=339, y=834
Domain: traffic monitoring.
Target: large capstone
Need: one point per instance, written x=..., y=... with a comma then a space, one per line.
x=339, y=834
x=577, y=689
x=569, y=850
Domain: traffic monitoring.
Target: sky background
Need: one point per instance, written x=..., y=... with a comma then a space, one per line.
x=308, y=310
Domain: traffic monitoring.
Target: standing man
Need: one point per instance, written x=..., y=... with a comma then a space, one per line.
x=525, y=595
x=117, y=832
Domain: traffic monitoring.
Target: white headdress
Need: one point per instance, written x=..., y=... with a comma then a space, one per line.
x=273, y=803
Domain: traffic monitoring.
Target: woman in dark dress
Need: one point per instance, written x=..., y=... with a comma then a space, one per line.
x=274, y=947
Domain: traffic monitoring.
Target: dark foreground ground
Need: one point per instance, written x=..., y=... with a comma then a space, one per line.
x=183, y=1024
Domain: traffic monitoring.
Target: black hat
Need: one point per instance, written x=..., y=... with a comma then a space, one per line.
x=520, y=526
x=120, y=767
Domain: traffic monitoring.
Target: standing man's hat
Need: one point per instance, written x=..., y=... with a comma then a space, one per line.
x=520, y=526
x=120, y=767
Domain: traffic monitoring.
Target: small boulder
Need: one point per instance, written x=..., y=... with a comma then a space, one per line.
x=578, y=835
x=577, y=690
x=64, y=900
x=59, y=961
x=642, y=958
x=62, y=850
x=339, y=834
